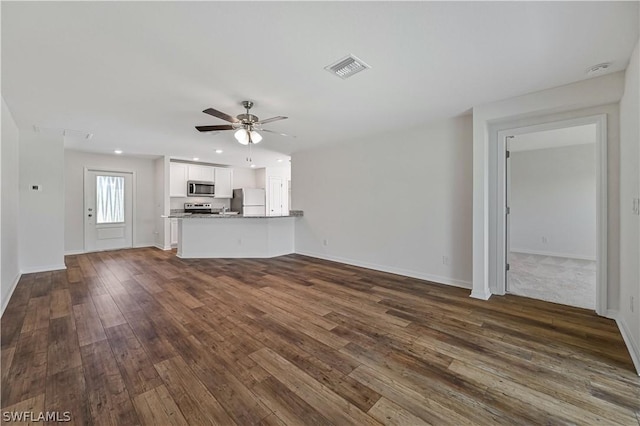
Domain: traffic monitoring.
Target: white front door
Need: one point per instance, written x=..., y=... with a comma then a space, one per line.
x=275, y=196
x=108, y=210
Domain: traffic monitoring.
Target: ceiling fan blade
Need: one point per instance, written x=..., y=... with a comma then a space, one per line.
x=212, y=128
x=222, y=115
x=277, y=133
x=269, y=120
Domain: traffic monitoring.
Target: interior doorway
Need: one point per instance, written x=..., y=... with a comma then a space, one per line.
x=551, y=231
x=276, y=196
x=108, y=205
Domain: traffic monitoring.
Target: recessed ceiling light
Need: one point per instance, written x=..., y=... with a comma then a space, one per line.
x=598, y=69
x=195, y=158
x=219, y=151
x=253, y=165
x=279, y=160
x=118, y=151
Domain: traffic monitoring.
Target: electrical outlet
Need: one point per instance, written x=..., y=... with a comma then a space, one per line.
x=545, y=240
x=445, y=260
x=325, y=242
x=239, y=241
x=631, y=304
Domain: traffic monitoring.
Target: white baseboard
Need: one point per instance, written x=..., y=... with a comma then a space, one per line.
x=142, y=245
x=34, y=269
x=392, y=270
x=554, y=254
x=158, y=246
x=611, y=314
x=632, y=345
x=208, y=255
x=73, y=252
x=480, y=295
x=13, y=288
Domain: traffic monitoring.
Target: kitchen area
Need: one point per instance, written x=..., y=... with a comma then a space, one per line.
x=223, y=212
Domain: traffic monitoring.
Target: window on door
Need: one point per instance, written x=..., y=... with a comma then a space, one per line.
x=109, y=199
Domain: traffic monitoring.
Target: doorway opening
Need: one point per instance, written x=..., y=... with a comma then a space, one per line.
x=499, y=208
x=551, y=215
x=276, y=196
x=108, y=210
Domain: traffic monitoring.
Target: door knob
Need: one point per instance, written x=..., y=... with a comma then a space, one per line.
x=90, y=215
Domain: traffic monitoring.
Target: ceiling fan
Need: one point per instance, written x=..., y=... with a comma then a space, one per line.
x=246, y=125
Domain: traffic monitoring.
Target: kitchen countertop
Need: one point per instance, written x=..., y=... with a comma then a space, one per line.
x=292, y=213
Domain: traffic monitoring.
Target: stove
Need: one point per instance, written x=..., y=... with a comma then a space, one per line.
x=198, y=208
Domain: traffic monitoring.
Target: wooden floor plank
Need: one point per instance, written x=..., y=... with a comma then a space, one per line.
x=107, y=396
x=390, y=413
x=17, y=412
x=288, y=406
x=157, y=407
x=140, y=336
x=60, y=303
x=66, y=394
x=191, y=396
x=88, y=325
x=108, y=311
x=332, y=406
x=63, y=348
x=27, y=374
x=135, y=366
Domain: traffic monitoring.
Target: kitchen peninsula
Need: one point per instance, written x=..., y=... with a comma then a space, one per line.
x=233, y=236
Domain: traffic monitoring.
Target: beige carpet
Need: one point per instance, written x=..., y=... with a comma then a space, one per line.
x=554, y=279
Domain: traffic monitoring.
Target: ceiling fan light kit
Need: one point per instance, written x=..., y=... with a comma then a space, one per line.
x=245, y=136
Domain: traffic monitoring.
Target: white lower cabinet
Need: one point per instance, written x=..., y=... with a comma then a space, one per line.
x=174, y=232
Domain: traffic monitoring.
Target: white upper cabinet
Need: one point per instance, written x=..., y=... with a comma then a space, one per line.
x=177, y=180
x=180, y=173
x=201, y=173
x=224, y=183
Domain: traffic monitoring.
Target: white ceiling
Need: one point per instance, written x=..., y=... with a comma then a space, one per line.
x=137, y=75
x=568, y=136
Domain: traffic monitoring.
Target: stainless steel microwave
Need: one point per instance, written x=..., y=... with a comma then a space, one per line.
x=200, y=189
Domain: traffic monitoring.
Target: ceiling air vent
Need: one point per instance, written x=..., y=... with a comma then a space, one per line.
x=347, y=66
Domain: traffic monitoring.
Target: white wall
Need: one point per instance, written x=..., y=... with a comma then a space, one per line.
x=162, y=226
x=145, y=202
x=261, y=178
x=244, y=178
x=10, y=265
x=629, y=319
x=553, y=195
x=42, y=222
x=588, y=97
x=397, y=202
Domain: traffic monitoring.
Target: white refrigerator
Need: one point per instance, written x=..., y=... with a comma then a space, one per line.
x=249, y=201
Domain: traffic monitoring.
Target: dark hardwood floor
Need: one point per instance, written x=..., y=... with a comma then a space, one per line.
x=142, y=337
